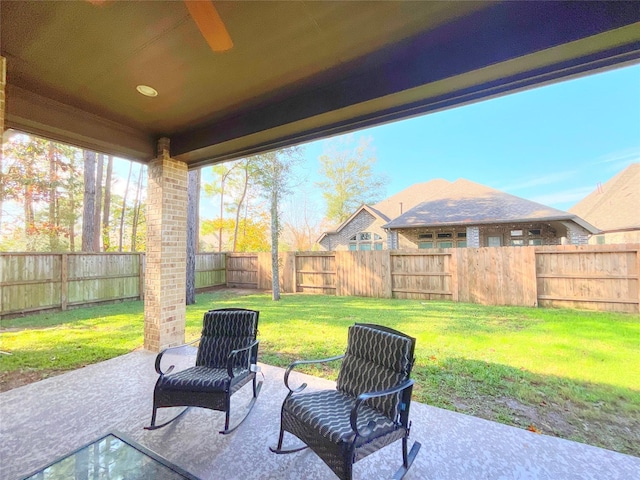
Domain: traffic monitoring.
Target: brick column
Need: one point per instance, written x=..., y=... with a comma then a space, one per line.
x=3, y=83
x=165, y=273
x=473, y=237
x=576, y=235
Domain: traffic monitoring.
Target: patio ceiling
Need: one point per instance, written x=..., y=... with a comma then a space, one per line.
x=297, y=71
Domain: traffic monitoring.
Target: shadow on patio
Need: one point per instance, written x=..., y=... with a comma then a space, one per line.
x=46, y=420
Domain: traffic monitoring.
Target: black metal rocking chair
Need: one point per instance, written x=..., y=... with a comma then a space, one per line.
x=369, y=408
x=225, y=362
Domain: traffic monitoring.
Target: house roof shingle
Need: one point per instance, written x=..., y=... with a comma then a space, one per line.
x=467, y=203
x=614, y=205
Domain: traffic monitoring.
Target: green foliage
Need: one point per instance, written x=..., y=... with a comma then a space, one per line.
x=44, y=178
x=252, y=235
x=350, y=180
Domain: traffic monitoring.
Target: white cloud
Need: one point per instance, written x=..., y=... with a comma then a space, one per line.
x=618, y=160
x=571, y=195
x=548, y=179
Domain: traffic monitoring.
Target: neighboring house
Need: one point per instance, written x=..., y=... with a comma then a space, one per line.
x=363, y=230
x=443, y=214
x=614, y=208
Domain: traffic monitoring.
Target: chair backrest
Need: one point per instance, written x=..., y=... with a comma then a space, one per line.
x=224, y=330
x=377, y=358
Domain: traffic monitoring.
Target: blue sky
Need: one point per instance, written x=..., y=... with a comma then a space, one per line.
x=550, y=144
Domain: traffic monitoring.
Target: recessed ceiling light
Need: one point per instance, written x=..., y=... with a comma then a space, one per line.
x=147, y=91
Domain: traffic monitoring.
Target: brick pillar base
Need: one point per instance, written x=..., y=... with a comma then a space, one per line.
x=166, y=257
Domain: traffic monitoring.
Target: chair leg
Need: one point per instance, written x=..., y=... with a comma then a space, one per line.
x=279, y=449
x=256, y=392
x=407, y=459
x=153, y=425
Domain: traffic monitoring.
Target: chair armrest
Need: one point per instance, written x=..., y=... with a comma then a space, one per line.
x=171, y=367
x=233, y=354
x=305, y=362
x=367, y=395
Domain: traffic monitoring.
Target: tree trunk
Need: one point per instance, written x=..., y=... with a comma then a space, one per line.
x=222, y=180
x=53, y=174
x=107, y=205
x=89, y=201
x=98, y=209
x=124, y=206
x=193, y=196
x=72, y=223
x=244, y=194
x=275, y=227
x=136, y=211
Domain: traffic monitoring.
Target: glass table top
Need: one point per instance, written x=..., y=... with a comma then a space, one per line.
x=112, y=457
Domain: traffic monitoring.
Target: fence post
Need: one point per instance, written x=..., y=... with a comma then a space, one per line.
x=638, y=274
x=453, y=270
x=64, y=282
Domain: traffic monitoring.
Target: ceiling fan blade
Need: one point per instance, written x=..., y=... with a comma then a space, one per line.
x=211, y=26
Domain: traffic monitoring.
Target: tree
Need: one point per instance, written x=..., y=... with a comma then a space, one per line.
x=98, y=204
x=124, y=206
x=193, y=197
x=213, y=189
x=349, y=177
x=275, y=175
x=89, y=201
x=302, y=226
x=107, y=205
x=136, y=211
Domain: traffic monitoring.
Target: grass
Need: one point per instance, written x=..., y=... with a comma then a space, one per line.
x=572, y=374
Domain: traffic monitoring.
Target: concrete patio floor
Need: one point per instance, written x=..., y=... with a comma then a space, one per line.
x=46, y=420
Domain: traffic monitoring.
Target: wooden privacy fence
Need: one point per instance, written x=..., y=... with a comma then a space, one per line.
x=31, y=282
x=600, y=277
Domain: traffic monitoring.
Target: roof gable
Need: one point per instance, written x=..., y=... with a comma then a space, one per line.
x=614, y=205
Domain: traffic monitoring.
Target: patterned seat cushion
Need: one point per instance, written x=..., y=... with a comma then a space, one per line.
x=375, y=360
x=224, y=331
x=328, y=413
x=201, y=379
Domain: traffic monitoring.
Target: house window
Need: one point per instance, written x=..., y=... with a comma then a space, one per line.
x=445, y=235
x=462, y=235
x=535, y=241
x=536, y=232
x=422, y=236
x=445, y=244
x=517, y=242
x=461, y=244
x=494, y=241
x=600, y=239
x=425, y=245
x=516, y=233
x=362, y=241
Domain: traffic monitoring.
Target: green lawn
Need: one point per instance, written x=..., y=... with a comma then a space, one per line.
x=568, y=373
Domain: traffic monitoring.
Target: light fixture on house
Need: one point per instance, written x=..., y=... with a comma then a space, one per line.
x=147, y=91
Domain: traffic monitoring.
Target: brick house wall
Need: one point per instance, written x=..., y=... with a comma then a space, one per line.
x=362, y=222
x=478, y=235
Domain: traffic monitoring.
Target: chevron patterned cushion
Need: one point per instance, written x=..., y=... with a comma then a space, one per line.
x=328, y=412
x=197, y=378
x=375, y=360
x=224, y=331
